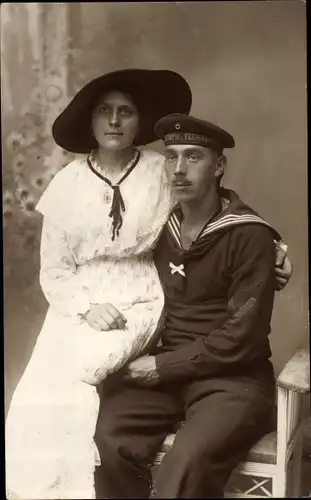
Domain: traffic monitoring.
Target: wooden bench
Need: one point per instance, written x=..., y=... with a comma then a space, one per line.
x=273, y=465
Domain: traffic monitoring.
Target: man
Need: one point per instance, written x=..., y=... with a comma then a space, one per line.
x=216, y=261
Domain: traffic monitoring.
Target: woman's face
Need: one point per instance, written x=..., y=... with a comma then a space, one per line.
x=115, y=121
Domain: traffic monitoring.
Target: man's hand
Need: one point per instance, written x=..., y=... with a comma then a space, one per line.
x=104, y=317
x=143, y=370
x=283, y=269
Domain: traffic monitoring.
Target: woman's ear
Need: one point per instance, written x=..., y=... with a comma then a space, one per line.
x=221, y=163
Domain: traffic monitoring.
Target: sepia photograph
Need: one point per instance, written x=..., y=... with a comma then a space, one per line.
x=155, y=237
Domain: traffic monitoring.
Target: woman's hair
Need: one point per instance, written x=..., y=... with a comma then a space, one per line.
x=118, y=88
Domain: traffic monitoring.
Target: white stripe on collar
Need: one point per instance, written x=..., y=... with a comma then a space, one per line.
x=227, y=221
x=232, y=219
x=176, y=220
x=174, y=232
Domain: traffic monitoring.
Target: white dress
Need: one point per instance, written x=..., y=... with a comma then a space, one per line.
x=50, y=452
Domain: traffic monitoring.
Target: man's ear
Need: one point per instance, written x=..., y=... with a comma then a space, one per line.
x=221, y=163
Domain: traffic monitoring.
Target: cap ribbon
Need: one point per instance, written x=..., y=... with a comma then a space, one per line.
x=191, y=138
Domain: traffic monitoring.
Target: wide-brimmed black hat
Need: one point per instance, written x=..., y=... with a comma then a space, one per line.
x=156, y=93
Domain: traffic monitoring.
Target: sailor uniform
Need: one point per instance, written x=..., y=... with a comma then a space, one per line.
x=213, y=364
x=221, y=300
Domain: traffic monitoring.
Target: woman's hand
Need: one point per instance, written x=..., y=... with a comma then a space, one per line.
x=104, y=317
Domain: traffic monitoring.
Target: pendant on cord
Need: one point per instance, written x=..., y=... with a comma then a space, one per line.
x=117, y=206
x=107, y=197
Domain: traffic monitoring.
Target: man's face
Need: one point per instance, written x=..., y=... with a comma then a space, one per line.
x=192, y=170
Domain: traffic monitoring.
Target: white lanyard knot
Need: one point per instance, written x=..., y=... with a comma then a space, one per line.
x=177, y=269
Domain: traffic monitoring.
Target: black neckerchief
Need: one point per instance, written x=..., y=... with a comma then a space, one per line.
x=117, y=201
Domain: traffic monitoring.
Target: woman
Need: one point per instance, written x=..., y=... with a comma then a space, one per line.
x=102, y=216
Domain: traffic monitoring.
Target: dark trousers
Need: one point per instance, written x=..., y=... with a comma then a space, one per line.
x=224, y=419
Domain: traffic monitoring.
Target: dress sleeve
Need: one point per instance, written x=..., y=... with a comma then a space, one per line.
x=58, y=273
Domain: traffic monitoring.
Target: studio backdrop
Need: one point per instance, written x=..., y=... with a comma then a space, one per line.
x=246, y=65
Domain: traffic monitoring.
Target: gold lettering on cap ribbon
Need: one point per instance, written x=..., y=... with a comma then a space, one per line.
x=187, y=136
